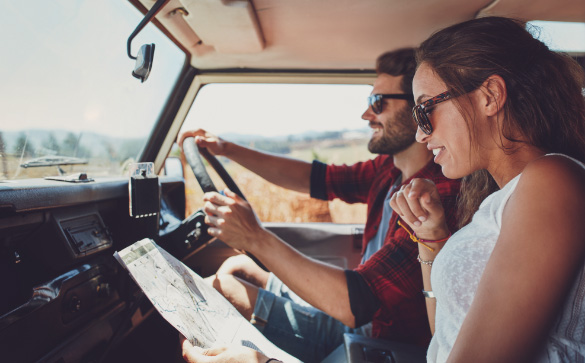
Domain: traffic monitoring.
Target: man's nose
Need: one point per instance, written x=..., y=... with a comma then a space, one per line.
x=368, y=114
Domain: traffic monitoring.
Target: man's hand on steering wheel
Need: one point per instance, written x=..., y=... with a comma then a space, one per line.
x=232, y=219
x=203, y=139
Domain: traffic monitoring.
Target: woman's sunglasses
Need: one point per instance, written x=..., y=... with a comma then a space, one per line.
x=420, y=112
x=376, y=100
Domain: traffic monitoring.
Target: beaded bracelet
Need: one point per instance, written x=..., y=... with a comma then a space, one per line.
x=424, y=262
x=414, y=238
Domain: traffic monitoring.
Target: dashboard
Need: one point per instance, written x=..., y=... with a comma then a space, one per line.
x=61, y=287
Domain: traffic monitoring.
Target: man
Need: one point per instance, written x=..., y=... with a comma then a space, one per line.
x=386, y=288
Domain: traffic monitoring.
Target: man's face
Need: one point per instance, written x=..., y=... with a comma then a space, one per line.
x=394, y=129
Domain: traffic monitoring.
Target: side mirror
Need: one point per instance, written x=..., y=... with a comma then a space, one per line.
x=174, y=167
x=144, y=62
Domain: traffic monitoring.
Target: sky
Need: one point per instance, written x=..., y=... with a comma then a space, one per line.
x=62, y=67
x=275, y=110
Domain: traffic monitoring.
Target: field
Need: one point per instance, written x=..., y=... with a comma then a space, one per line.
x=276, y=204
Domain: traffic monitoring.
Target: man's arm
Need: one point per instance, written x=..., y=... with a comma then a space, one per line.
x=324, y=286
x=286, y=172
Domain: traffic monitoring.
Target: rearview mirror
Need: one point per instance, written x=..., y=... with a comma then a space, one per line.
x=143, y=63
x=146, y=53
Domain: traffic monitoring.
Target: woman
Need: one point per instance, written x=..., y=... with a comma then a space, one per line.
x=497, y=106
x=509, y=286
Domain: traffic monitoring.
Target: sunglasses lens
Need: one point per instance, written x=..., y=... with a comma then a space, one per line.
x=422, y=120
x=375, y=101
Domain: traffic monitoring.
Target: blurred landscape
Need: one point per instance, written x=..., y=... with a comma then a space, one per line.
x=108, y=156
x=104, y=155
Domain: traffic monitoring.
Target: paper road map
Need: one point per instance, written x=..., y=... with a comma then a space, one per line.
x=194, y=308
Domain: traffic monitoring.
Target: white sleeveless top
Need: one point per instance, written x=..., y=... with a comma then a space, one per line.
x=456, y=273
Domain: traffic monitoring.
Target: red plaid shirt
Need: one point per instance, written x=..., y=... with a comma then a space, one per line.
x=393, y=273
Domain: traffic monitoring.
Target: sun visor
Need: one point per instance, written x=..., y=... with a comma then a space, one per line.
x=228, y=26
x=566, y=10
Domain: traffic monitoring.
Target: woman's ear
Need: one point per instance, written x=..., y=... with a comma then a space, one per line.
x=495, y=94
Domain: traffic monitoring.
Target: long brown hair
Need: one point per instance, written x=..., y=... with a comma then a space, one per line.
x=545, y=102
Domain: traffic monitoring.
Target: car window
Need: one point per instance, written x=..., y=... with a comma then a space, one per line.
x=68, y=96
x=303, y=121
x=561, y=36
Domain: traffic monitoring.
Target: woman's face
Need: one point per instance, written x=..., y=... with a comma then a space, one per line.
x=450, y=140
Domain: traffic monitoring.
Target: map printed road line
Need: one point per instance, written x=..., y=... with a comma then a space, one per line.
x=193, y=307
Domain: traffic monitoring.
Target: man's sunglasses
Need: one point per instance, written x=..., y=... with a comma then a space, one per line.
x=420, y=112
x=375, y=100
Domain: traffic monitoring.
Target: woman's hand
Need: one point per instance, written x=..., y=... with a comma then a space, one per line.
x=235, y=354
x=419, y=205
x=232, y=220
x=204, y=139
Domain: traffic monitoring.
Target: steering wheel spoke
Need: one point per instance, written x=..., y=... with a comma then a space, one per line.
x=193, y=156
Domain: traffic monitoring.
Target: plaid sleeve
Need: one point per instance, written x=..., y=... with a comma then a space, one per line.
x=352, y=183
x=318, y=189
x=393, y=273
x=395, y=278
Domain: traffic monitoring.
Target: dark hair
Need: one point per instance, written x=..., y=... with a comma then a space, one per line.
x=545, y=106
x=398, y=63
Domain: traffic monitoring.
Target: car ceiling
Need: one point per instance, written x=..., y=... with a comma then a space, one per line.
x=326, y=34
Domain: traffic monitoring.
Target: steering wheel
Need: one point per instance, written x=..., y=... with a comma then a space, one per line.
x=193, y=155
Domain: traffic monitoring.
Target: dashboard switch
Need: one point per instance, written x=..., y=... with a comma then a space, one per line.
x=74, y=304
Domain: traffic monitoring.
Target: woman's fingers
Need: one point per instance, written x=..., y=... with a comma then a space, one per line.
x=418, y=202
x=405, y=208
x=415, y=199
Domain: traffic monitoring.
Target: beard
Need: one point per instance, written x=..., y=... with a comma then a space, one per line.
x=397, y=135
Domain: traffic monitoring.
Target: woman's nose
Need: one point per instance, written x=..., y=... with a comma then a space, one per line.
x=421, y=136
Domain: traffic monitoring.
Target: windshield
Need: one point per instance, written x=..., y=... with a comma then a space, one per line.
x=69, y=101
x=302, y=121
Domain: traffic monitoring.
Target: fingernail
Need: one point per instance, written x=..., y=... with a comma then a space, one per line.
x=417, y=223
x=410, y=195
x=422, y=218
